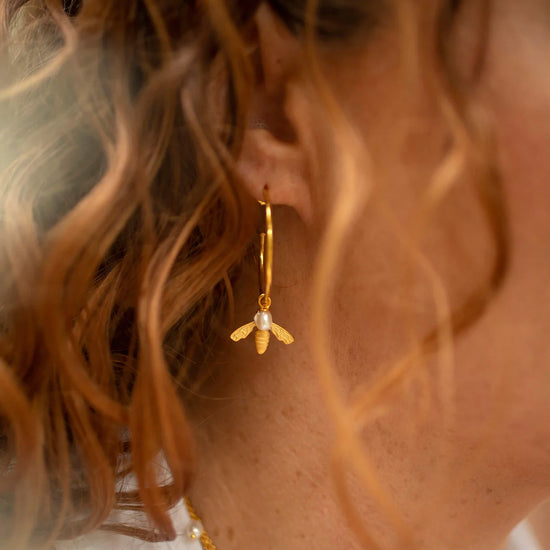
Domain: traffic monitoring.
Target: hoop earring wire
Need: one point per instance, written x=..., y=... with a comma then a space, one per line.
x=266, y=255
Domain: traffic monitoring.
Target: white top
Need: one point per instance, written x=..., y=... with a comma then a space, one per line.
x=107, y=540
x=521, y=538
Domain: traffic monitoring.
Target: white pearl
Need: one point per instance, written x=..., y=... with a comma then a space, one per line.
x=194, y=529
x=263, y=320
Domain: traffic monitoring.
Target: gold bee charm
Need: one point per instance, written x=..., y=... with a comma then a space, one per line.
x=263, y=323
x=262, y=320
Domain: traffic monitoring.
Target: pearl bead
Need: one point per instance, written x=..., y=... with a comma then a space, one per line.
x=263, y=320
x=194, y=529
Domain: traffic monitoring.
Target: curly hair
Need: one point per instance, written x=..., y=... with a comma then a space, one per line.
x=122, y=228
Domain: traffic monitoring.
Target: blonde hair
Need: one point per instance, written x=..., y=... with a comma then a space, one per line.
x=122, y=228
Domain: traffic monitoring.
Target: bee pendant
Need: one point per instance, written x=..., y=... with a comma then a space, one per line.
x=264, y=323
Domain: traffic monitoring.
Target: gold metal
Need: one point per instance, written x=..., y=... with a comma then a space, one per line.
x=261, y=337
x=282, y=334
x=205, y=539
x=243, y=332
x=264, y=302
x=266, y=248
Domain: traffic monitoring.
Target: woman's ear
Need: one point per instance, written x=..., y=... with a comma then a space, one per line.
x=273, y=151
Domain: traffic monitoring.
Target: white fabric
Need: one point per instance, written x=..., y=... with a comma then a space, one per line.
x=105, y=540
x=523, y=538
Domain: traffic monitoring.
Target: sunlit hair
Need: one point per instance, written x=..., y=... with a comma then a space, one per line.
x=122, y=228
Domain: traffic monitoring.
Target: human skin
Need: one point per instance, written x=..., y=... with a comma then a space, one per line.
x=263, y=427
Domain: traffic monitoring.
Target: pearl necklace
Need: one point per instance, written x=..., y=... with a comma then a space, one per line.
x=195, y=529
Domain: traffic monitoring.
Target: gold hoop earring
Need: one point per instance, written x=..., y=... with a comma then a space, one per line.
x=263, y=321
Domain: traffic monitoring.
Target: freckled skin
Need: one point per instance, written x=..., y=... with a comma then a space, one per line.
x=461, y=485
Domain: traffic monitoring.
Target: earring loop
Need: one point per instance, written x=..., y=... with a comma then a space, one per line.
x=266, y=249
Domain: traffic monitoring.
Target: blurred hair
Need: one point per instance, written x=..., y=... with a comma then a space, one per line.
x=122, y=227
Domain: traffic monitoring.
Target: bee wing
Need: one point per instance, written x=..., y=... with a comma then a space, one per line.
x=243, y=332
x=282, y=334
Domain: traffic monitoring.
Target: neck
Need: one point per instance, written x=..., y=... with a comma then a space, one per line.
x=265, y=439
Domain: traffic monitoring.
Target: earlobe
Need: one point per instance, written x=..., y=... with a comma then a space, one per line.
x=272, y=152
x=265, y=160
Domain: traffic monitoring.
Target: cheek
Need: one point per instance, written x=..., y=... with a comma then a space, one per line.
x=518, y=92
x=523, y=136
